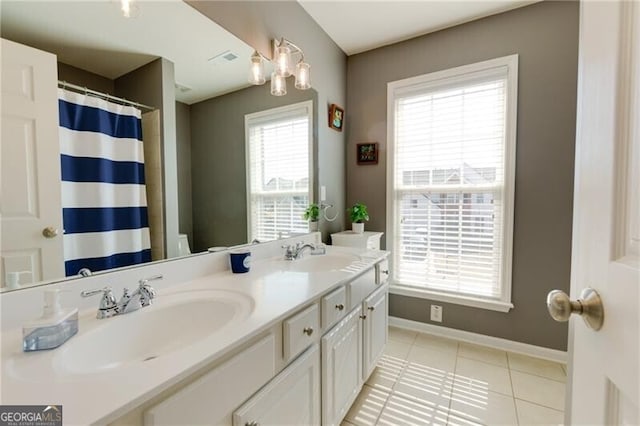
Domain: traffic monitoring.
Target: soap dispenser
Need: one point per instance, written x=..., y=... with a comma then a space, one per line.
x=53, y=328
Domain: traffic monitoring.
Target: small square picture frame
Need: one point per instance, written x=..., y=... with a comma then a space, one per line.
x=336, y=117
x=367, y=153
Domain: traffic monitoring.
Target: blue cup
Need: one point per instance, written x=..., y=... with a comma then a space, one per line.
x=240, y=262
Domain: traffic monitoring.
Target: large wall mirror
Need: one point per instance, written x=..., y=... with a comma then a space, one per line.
x=193, y=75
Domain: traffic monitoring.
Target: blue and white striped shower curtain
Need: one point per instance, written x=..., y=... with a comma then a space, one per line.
x=104, y=198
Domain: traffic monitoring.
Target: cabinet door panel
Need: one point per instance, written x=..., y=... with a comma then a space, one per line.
x=375, y=329
x=292, y=398
x=341, y=367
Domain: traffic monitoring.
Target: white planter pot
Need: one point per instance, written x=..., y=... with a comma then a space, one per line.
x=358, y=228
x=313, y=226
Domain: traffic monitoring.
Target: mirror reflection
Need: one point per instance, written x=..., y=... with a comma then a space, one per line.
x=176, y=181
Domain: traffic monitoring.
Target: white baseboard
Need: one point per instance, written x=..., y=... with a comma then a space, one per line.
x=481, y=339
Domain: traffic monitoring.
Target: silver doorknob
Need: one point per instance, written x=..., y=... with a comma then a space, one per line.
x=589, y=306
x=50, y=232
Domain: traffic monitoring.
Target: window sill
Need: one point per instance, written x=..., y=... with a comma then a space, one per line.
x=474, y=302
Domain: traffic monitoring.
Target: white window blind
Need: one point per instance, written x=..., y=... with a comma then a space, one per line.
x=278, y=171
x=452, y=182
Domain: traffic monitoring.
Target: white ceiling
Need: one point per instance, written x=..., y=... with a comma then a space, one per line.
x=94, y=36
x=360, y=25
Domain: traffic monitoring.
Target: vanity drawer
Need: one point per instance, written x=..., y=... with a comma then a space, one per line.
x=334, y=307
x=382, y=272
x=300, y=331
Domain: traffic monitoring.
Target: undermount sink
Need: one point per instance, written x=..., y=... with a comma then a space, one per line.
x=174, y=322
x=320, y=263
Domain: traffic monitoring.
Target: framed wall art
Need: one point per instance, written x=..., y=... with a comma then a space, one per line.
x=367, y=153
x=336, y=117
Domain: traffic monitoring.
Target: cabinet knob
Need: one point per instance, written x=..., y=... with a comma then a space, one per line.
x=340, y=307
x=254, y=423
x=371, y=308
x=308, y=331
x=386, y=272
x=363, y=317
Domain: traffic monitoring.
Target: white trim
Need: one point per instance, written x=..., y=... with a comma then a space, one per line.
x=481, y=339
x=458, y=299
x=475, y=70
x=267, y=115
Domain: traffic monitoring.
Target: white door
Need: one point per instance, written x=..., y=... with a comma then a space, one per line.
x=604, y=367
x=30, y=165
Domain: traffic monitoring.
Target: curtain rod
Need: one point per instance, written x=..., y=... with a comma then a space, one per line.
x=87, y=91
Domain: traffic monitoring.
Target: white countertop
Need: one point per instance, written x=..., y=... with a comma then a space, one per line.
x=103, y=397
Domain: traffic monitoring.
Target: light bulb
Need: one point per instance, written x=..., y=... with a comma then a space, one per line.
x=303, y=76
x=282, y=55
x=256, y=72
x=278, y=85
x=126, y=8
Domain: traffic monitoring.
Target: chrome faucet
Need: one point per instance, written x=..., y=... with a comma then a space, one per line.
x=129, y=302
x=295, y=252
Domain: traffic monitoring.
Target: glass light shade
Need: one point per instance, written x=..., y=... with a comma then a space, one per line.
x=256, y=72
x=278, y=85
x=303, y=76
x=125, y=6
x=282, y=56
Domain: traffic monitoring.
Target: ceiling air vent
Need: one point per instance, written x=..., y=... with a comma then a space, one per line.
x=224, y=57
x=182, y=88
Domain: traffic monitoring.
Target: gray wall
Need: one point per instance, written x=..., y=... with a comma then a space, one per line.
x=83, y=78
x=218, y=161
x=154, y=85
x=257, y=23
x=183, y=151
x=545, y=35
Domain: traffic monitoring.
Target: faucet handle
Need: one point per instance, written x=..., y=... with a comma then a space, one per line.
x=144, y=281
x=108, y=299
x=108, y=304
x=289, y=252
x=147, y=293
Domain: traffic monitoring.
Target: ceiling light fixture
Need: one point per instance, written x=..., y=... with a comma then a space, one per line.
x=283, y=52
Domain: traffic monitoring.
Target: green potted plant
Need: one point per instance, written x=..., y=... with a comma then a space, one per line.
x=358, y=214
x=312, y=214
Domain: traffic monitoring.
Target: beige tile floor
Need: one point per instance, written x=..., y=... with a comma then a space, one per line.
x=428, y=380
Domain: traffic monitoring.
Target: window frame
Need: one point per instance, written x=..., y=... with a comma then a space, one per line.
x=270, y=115
x=440, y=79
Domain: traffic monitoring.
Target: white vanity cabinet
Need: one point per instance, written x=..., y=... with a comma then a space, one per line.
x=341, y=367
x=291, y=398
x=308, y=369
x=375, y=319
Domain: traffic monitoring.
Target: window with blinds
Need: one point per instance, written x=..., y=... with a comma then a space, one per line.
x=279, y=164
x=452, y=177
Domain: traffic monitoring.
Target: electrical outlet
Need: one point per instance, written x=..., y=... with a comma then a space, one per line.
x=436, y=313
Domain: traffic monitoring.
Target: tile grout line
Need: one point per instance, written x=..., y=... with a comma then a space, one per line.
x=540, y=405
x=453, y=381
x=538, y=375
x=395, y=382
x=513, y=391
